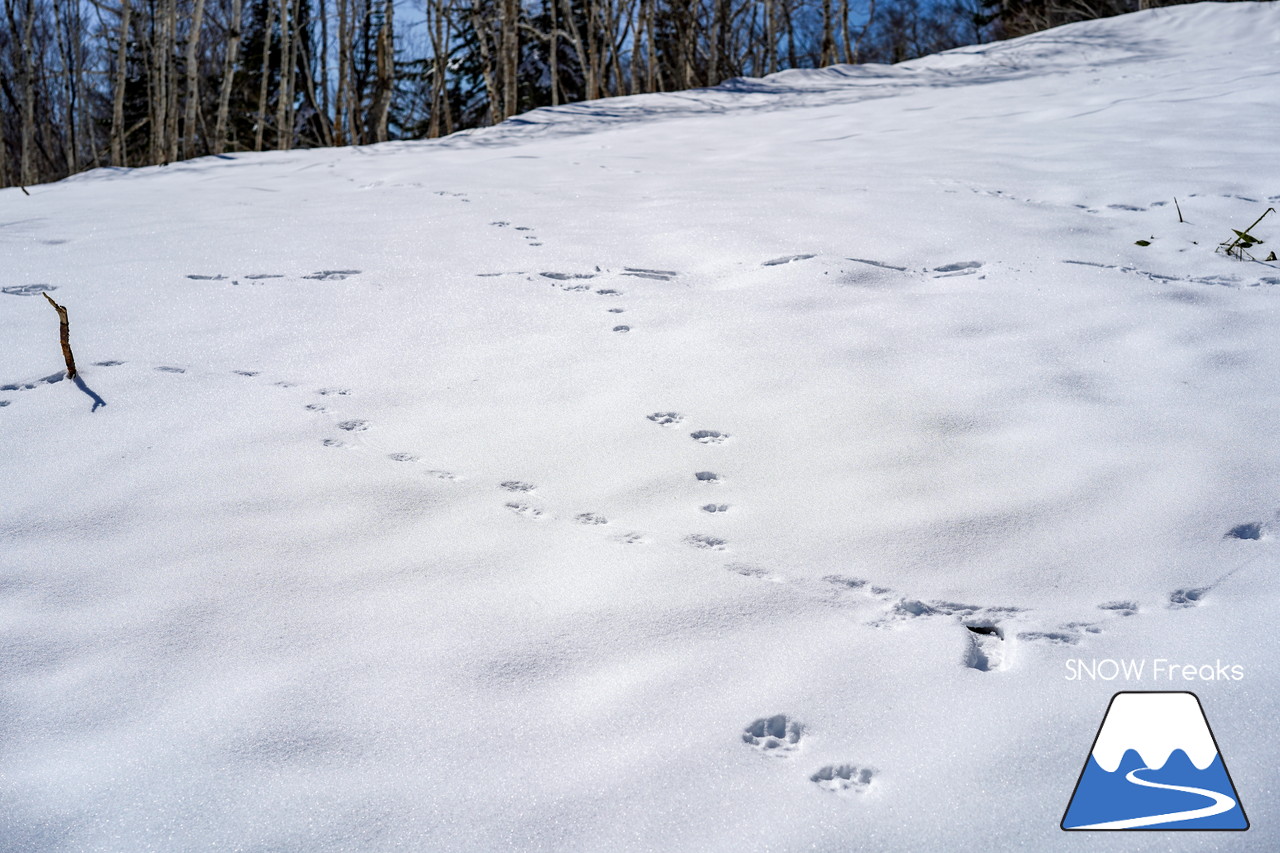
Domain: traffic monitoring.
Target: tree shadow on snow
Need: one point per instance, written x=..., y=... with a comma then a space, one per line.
x=97, y=401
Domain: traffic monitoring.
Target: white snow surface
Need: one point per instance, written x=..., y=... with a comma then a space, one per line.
x=385, y=552
x=1154, y=725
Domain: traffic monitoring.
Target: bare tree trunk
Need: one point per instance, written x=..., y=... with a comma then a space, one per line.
x=172, y=83
x=352, y=103
x=483, y=30
x=729, y=62
x=266, y=76
x=856, y=55
x=651, y=65
x=193, y=44
x=284, y=131
x=228, y=77
x=325, y=105
x=65, y=78
x=296, y=65
x=713, y=46
x=593, y=54
x=291, y=80
x=4, y=146
x=4, y=156
x=87, y=126
x=828, y=35
x=634, y=70
x=150, y=28
x=291, y=86
x=616, y=33
x=846, y=49
x=386, y=73
x=688, y=44
x=436, y=30
x=770, y=38
x=510, y=56
x=446, y=28
x=575, y=38
x=122, y=67
x=26, y=174
x=554, y=54
x=159, y=96
x=789, y=21
x=599, y=12
x=321, y=110
x=340, y=104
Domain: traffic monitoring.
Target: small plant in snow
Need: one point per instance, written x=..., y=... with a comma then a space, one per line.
x=1238, y=247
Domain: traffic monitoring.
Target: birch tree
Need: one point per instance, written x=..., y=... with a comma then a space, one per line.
x=266, y=77
x=284, y=128
x=118, y=148
x=28, y=83
x=193, y=43
x=235, y=22
x=385, y=73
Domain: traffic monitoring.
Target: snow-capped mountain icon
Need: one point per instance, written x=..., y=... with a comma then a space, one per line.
x=1155, y=765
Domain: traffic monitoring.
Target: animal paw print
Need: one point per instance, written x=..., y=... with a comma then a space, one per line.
x=986, y=651
x=655, y=275
x=706, y=543
x=843, y=778
x=785, y=259
x=749, y=571
x=524, y=509
x=1183, y=598
x=845, y=582
x=1120, y=608
x=1250, y=530
x=958, y=268
x=777, y=735
x=331, y=275
x=666, y=418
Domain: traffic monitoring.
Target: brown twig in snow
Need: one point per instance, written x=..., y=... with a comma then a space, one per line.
x=65, y=329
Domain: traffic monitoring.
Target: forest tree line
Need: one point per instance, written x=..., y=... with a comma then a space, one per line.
x=90, y=83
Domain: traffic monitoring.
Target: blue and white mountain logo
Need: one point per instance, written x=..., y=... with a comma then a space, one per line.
x=1154, y=765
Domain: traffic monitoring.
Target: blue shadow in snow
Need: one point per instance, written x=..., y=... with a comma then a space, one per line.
x=93, y=395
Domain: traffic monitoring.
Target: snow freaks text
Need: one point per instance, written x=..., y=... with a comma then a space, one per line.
x=1157, y=669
